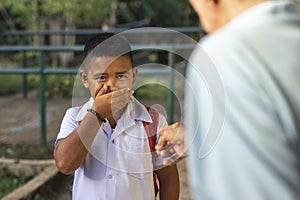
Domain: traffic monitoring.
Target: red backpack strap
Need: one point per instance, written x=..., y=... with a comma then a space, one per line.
x=151, y=129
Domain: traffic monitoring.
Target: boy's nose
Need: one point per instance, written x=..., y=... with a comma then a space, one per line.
x=112, y=83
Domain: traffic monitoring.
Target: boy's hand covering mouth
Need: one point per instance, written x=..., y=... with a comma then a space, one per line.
x=108, y=102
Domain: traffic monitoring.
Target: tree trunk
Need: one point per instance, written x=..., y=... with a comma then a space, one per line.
x=111, y=20
x=37, y=40
x=55, y=40
x=9, y=21
x=69, y=40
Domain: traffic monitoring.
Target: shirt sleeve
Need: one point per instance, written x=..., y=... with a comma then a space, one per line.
x=68, y=124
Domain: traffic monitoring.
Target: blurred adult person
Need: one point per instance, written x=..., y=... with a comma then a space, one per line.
x=254, y=45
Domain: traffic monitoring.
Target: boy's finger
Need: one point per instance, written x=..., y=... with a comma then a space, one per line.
x=121, y=92
x=100, y=89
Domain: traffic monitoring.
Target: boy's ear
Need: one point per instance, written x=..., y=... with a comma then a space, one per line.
x=135, y=73
x=83, y=76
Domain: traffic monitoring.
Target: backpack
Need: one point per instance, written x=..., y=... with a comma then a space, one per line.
x=151, y=129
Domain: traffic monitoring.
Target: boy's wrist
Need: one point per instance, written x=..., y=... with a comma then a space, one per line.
x=99, y=117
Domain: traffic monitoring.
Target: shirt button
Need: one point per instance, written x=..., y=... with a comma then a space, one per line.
x=110, y=176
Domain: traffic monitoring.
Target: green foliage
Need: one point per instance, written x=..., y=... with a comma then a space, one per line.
x=31, y=56
x=9, y=181
x=151, y=91
x=164, y=13
x=57, y=85
x=10, y=84
x=87, y=11
x=157, y=88
x=37, y=14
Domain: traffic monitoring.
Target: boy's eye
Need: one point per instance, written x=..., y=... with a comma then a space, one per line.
x=100, y=78
x=122, y=77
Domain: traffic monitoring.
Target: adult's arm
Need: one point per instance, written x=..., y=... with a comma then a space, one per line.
x=171, y=143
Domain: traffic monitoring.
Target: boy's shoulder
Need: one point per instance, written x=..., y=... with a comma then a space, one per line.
x=72, y=112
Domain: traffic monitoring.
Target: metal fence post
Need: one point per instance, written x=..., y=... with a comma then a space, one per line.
x=42, y=99
x=171, y=87
x=24, y=65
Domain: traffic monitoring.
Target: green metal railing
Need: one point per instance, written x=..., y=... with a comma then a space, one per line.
x=42, y=71
x=24, y=34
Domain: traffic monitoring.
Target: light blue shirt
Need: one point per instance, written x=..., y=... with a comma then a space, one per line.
x=243, y=107
x=119, y=164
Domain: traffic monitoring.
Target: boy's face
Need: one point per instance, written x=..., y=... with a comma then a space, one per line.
x=115, y=72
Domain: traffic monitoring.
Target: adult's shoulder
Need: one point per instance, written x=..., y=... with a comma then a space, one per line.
x=224, y=40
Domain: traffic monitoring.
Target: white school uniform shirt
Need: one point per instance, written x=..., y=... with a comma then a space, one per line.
x=119, y=164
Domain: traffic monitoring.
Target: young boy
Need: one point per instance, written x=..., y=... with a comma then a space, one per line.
x=105, y=141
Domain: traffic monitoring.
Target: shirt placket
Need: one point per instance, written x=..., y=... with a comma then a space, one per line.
x=110, y=172
x=110, y=186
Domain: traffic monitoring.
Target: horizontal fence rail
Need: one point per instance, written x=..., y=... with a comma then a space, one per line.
x=95, y=31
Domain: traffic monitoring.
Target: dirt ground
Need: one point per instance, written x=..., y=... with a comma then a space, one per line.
x=20, y=125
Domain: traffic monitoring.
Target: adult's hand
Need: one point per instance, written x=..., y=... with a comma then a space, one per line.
x=171, y=144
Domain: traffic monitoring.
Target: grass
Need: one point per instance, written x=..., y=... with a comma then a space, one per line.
x=9, y=181
x=10, y=84
x=26, y=151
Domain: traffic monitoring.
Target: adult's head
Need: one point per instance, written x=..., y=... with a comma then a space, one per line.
x=215, y=14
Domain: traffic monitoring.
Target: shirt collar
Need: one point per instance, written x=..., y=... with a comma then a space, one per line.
x=137, y=111
x=133, y=112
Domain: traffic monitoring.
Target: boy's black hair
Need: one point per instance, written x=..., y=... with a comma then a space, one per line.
x=111, y=45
